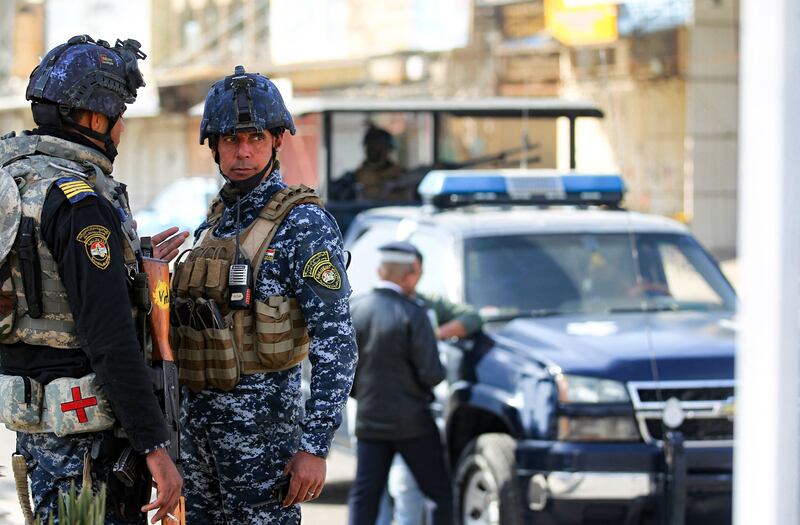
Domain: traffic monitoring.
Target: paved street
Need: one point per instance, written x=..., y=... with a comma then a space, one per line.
x=10, y=513
x=330, y=508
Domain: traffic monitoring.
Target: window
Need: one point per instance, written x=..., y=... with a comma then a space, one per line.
x=585, y=273
x=438, y=264
x=363, y=271
x=684, y=282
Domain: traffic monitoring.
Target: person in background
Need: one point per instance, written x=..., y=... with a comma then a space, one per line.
x=378, y=178
x=407, y=504
x=398, y=368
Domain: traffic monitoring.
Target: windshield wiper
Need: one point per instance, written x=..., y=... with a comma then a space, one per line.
x=645, y=308
x=510, y=316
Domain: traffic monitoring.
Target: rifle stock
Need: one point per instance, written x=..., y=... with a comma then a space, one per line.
x=157, y=272
x=158, y=282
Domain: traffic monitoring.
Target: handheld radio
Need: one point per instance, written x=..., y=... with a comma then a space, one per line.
x=240, y=276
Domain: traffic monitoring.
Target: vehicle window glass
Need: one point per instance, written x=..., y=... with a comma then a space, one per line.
x=681, y=278
x=590, y=273
x=435, y=263
x=487, y=142
x=363, y=271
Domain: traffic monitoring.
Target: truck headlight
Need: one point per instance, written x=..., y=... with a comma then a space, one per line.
x=573, y=389
x=582, y=389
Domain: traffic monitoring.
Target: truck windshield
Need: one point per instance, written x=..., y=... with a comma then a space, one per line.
x=551, y=274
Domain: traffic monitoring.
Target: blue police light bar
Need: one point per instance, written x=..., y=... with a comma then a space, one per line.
x=448, y=188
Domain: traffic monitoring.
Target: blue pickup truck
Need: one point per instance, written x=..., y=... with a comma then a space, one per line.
x=601, y=389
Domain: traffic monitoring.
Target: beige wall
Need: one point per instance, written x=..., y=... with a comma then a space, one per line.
x=642, y=136
x=152, y=154
x=27, y=38
x=712, y=126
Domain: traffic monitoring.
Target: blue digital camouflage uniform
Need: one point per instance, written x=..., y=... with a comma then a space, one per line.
x=237, y=443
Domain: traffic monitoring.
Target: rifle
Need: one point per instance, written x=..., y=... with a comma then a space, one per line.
x=157, y=272
x=408, y=181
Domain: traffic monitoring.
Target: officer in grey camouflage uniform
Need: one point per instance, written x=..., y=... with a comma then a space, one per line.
x=238, y=440
x=65, y=314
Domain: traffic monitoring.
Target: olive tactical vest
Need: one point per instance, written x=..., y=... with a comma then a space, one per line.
x=270, y=336
x=36, y=162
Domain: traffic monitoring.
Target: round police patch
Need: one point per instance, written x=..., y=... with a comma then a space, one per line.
x=95, y=240
x=320, y=268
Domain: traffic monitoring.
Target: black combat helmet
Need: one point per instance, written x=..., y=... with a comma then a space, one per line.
x=89, y=75
x=376, y=135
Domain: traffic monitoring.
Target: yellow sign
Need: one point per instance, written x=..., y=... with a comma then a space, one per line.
x=581, y=23
x=161, y=295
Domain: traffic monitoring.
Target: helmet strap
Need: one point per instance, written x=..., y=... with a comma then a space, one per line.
x=105, y=138
x=248, y=184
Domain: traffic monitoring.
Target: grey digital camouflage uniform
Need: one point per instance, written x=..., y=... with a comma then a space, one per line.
x=235, y=444
x=56, y=461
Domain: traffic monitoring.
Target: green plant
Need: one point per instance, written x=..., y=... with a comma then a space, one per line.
x=85, y=508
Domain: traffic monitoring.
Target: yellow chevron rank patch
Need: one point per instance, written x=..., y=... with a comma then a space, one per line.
x=75, y=189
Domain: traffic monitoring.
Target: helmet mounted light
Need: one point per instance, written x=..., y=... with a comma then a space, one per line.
x=241, y=83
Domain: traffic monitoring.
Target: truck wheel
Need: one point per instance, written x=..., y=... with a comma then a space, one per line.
x=487, y=491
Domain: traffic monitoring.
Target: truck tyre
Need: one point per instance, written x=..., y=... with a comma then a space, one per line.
x=487, y=492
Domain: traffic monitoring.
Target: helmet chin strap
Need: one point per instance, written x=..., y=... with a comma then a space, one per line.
x=246, y=185
x=105, y=138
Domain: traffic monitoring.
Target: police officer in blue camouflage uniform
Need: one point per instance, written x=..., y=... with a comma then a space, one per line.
x=66, y=327
x=240, y=436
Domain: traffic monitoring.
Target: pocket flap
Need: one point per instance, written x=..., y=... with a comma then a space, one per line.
x=22, y=402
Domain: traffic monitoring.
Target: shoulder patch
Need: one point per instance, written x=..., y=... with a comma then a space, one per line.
x=320, y=268
x=95, y=240
x=75, y=189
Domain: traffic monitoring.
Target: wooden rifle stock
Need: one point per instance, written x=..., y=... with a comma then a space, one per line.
x=157, y=272
x=158, y=281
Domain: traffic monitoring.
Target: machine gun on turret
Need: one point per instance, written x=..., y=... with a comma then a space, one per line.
x=347, y=188
x=408, y=182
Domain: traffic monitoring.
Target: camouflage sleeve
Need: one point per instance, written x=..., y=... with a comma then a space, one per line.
x=317, y=275
x=447, y=311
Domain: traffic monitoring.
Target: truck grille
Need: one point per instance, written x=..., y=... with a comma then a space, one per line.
x=707, y=405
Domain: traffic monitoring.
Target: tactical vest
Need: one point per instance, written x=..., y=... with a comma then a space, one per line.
x=36, y=163
x=270, y=336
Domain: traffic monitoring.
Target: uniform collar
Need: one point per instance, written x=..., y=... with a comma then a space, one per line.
x=73, y=151
x=389, y=285
x=265, y=189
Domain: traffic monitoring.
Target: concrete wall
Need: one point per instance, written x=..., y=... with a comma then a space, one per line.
x=154, y=152
x=712, y=124
x=642, y=135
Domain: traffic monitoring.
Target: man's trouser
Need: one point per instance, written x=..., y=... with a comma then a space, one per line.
x=54, y=462
x=229, y=470
x=424, y=457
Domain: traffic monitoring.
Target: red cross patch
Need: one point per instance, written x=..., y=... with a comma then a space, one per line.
x=78, y=404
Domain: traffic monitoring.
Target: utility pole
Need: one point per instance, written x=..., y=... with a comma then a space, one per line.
x=767, y=368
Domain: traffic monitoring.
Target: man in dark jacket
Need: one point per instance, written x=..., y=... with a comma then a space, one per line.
x=397, y=370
